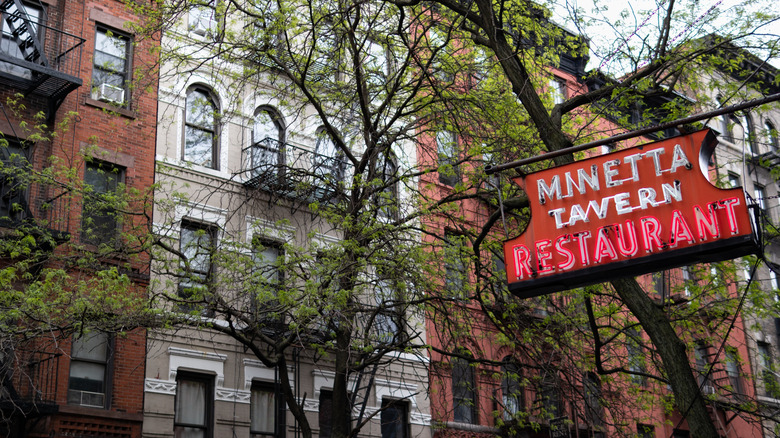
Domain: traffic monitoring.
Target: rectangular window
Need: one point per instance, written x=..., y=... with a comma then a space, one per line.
x=454, y=267
x=88, y=382
x=464, y=393
x=765, y=370
x=326, y=408
x=13, y=181
x=194, y=405
x=733, y=180
x=394, y=418
x=661, y=283
x=447, y=149
x=558, y=89
x=732, y=370
x=701, y=354
x=196, y=243
x=760, y=197
x=111, y=66
x=99, y=221
x=387, y=321
x=267, y=411
x=21, y=37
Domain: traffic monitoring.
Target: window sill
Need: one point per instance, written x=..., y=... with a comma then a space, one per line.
x=100, y=412
x=109, y=107
x=471, y=427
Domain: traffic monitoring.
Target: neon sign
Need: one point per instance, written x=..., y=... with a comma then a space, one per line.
x=627, y=213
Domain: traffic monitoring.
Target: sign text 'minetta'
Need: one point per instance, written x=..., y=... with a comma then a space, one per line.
x=625, y=213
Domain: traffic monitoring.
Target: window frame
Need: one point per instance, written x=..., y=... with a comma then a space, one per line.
x=106, y=362
x=125, y=74
x=39, y=29
x=208, y=403
x=442, y=151
x=278, y=409
x=264, y=146
x=388, y=426
x=512, y=394
x=456, y=266
x=91, y=207
x=14, y=188
x=210, y=231
x=213, y=130
x=464, y=391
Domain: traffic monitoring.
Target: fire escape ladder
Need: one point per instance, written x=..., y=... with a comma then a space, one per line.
x=362, y=389
x=23, y=31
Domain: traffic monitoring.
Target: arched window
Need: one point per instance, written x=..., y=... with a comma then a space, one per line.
x=464, y=399
x=511, y=392
x=267, y=141
x=327, y=159
x=772, y=137
x=200, y=131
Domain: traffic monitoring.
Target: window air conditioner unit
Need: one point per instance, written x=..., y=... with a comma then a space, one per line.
x=202, y=22
x=708, y=390
x=111, y=93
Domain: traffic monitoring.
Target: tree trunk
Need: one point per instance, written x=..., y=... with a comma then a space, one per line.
x=673, y=355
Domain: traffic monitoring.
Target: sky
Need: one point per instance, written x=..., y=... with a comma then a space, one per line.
x=607, y=22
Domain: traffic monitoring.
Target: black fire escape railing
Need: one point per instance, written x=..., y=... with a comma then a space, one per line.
x=292, y=171
x=29, y=384
x=35, y=57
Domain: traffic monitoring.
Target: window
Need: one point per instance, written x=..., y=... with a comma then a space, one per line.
x=759, y=192
x=99, y=218
x=511, y=392
x=200, y=131
x=447, y=147
x=197, y=242
x=550, y=397
x=733, y=372
x=687, y=277
x=267, y=140
x=701, y=356
x=636, y=357
x=558, y=90
x=454, y=267
x=15, y=37
x=387, y=321
x=327, y=159
x=774, y=278
x=748, y=134
x=464, y=400
x=772, y=136
x=268, y=255
x=733, y=180
x=768, y=378
x=203, y=19
x=387, y=197
x=111, y=66
x=394, y=418
x=326, y=409
x=13, y=183
x=193, y=413
x=266, y=411
x=591, y=386
x=661, y=283
x=88, y=382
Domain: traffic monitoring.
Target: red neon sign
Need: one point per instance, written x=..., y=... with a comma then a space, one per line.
x=627, y=213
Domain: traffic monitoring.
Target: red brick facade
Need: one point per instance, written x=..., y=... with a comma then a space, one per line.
x=120, y=135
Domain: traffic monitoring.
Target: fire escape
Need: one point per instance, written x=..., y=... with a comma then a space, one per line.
x=39, y=60
x=35, y=57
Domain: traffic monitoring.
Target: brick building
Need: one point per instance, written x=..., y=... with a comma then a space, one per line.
x=72, y=65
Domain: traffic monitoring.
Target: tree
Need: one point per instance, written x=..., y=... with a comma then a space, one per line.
x=515, y=34
x=384, y=80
